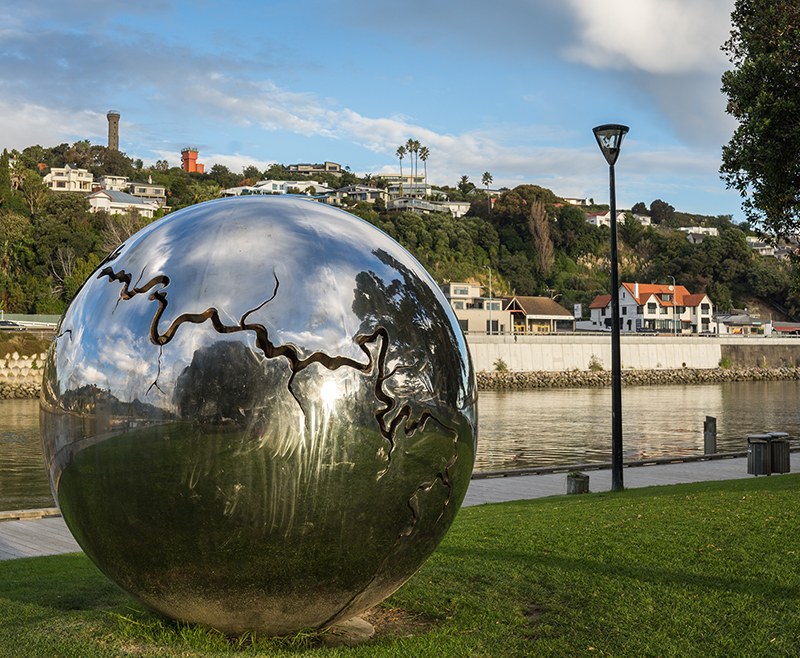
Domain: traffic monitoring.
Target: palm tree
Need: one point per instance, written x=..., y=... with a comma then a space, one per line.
x=417, y=147
x=410, y=149
x=401, y=151
x=423, y=155
x=486, y=179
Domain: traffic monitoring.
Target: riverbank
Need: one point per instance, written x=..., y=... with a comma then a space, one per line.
x=587, y=378
x=489, y=381
x=20, y=391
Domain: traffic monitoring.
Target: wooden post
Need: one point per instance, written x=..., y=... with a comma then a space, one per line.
x=710, y=436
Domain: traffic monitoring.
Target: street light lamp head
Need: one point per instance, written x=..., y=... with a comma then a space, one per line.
x=609, y=137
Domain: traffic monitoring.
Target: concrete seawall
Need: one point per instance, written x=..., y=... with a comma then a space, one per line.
x=570, y=352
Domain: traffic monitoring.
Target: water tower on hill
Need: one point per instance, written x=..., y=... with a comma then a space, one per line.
x=189, y=160
x=113, y=129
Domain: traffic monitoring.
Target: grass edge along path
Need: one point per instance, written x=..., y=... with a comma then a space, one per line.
x=706, y=569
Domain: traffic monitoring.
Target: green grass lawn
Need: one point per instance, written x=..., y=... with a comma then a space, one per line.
x=687, y=570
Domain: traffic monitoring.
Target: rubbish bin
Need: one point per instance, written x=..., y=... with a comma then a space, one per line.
x=779, y=453
x=758, y=454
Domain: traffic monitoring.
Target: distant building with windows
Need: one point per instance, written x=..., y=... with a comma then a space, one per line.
x=655, y=308
x=149, y=190
x=189, y=160
x=314, y=169
x=476, y=313
x=69, y=179
x=505, y=315
x=115, y=202
x=308, y=187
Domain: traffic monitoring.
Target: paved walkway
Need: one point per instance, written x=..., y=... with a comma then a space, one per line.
x=49, y=536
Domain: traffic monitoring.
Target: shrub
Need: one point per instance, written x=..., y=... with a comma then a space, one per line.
x=725, y=363
x=500, y=366
x=595, y=364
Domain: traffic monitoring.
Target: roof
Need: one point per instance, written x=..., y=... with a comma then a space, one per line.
x=601, y=301
x=118, y=196
x=646, y=290
x=542, y=307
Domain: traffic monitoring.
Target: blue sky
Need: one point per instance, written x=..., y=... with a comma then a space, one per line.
x=512, y=87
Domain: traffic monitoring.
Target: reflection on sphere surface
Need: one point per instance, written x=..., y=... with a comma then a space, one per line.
x=259, y=414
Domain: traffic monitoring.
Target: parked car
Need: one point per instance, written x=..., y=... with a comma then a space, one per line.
x=8, y=325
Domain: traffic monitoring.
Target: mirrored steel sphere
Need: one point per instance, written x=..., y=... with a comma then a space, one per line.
x=259, y=414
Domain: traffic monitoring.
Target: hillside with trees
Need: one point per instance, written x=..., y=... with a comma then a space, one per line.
x=532, y=242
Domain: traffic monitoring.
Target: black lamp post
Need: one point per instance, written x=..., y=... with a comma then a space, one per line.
x=609, y=138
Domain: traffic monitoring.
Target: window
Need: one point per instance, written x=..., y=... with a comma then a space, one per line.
x=464, y=324
x=704, y=308
x=639, y=310
x=460, y=290
x=624, y=310
x=680, y=309
x=666, y=297
x=458, y=306
x=491, y=328
x=603, y=312
x=663, y=310
x=493, y=306
x=651, y=307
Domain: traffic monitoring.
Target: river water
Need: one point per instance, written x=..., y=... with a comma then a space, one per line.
x=517, y=429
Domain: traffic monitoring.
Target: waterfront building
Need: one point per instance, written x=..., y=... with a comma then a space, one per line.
x=742, y=323
x=478, y=314
x=538, y=315
x=475, y=312
x=655, y=308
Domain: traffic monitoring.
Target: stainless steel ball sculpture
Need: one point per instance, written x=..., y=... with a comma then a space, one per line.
x=259, y=414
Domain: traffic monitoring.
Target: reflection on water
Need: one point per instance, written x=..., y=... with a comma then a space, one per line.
x=518, y=429
x=23, y=480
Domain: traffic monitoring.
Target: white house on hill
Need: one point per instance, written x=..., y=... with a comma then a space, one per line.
x=69, y=179
x=116, y=202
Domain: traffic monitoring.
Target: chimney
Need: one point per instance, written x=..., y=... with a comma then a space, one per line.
x=636, y=291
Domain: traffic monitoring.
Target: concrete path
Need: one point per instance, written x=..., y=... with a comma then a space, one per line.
x=49, y=535
x=498, y=490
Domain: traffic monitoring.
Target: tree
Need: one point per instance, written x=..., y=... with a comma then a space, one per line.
x=423, y=155
x=661, y=212
x=539, y=226
x=639, y=208
x=251, y=172
x=33, y=190
x=486, y=180
x=762, y=159
x=5, y=178
x=401, y=152
x=464, y=186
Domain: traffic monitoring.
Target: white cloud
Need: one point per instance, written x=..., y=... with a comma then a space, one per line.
x=27, y=124
x=657, y=36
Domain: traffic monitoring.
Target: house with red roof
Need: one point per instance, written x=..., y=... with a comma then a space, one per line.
x=656, y=308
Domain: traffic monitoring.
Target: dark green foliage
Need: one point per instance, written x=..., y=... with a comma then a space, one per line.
x=762, y=159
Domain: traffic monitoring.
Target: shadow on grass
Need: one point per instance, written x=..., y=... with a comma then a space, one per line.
x=750, y=586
